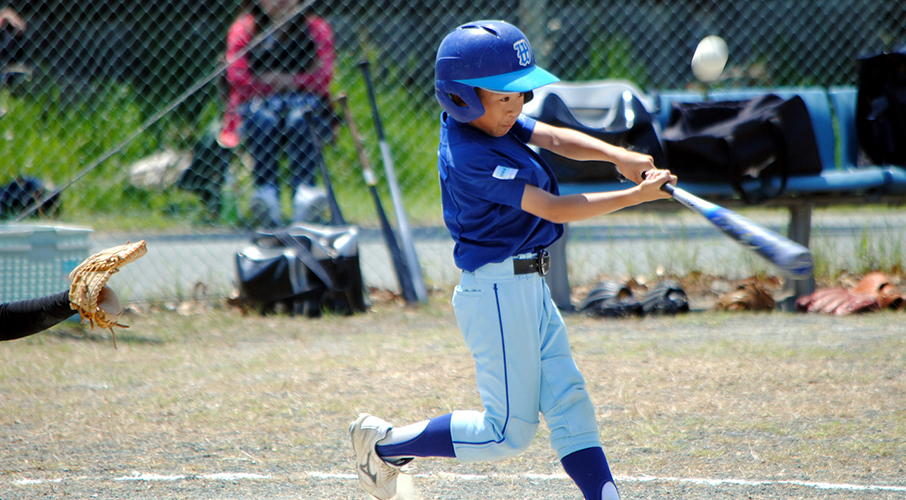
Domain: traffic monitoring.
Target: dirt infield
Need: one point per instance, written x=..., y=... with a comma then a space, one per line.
x=216, y=405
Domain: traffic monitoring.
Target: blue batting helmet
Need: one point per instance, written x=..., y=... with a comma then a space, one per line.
x=492, y=55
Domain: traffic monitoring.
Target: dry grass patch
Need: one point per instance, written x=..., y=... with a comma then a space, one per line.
x=755, y=396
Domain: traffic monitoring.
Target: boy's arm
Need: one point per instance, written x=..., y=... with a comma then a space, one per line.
x=574, y=207
x=578, y=146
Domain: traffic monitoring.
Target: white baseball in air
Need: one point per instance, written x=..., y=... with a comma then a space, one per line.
x=709, y=58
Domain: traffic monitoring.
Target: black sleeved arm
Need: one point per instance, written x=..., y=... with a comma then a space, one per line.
x=26, y=317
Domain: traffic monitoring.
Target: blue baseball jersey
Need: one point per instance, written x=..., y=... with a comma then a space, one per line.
x=482, y=179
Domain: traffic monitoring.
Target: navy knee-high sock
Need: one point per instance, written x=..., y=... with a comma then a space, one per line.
x=435, y=441
x=589, y=469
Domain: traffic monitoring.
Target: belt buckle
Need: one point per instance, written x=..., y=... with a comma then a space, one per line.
x=544, y=262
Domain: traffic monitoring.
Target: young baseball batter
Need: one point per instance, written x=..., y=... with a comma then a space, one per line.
x=502, y=207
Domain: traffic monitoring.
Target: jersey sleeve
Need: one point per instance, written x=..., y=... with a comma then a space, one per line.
x=243, y=84
x=26, y=317
x=318, y=80
x=501, y=179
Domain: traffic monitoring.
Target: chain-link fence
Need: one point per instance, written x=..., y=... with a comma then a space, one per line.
x=125, y=108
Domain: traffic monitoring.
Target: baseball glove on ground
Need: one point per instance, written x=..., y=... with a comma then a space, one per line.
x=610, y=299
x=667, y=297
x=874, y=292
x=88, y=293
x=749, y=295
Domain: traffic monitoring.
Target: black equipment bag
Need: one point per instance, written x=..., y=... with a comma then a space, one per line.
x=305, y=268
x=732, y=141
x=627, y=124
x=208, y=170
x=23, y=192
x=881, y=108
x=290, y=49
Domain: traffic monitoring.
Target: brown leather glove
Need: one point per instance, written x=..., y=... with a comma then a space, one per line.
x=750, y=295
x=88, y=293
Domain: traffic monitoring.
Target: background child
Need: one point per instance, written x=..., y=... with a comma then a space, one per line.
x=502, y=206
x=280, y=100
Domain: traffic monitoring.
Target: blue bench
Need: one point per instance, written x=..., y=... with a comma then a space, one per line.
x=842, y=180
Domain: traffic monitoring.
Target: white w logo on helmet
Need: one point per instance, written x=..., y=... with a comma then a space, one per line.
x=523, y=52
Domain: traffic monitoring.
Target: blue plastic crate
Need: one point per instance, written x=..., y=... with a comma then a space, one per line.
x=35, y=260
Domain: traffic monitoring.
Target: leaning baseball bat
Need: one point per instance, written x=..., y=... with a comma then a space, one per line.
x=793, y=259
x=396, y=255
x=336, y=216
x=415, y=268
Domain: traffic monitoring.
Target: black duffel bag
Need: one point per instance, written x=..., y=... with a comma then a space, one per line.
x=734, y=141
x=881, y=107
x=306, y=269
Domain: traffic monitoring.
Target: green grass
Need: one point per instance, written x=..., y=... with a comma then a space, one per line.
x=52, y=137
x=613, y=57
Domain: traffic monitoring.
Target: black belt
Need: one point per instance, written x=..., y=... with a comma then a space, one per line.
x=540, y=264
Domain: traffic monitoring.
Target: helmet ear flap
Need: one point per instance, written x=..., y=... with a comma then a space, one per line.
x=466, y=108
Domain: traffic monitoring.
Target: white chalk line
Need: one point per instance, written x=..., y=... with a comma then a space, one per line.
x=646, y=479
x=232, y=476
x=138, y=476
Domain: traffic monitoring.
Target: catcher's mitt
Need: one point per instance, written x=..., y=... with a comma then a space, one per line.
x=88, y=293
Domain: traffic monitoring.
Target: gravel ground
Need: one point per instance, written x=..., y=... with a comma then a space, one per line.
x=703, y=406
x=436, y=488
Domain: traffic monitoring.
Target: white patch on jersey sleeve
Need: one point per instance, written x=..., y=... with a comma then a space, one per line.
x=505, y=173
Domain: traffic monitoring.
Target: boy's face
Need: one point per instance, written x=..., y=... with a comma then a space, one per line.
x=500, y=112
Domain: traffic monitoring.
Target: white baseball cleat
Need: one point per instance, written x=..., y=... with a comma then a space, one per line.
x=265, y=207
x=309, y=203
x=378, y=477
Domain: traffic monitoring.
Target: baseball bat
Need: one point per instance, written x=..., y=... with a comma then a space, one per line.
x=415, y=268
x=396, y=254
x=793, y=259
x=336, y=216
